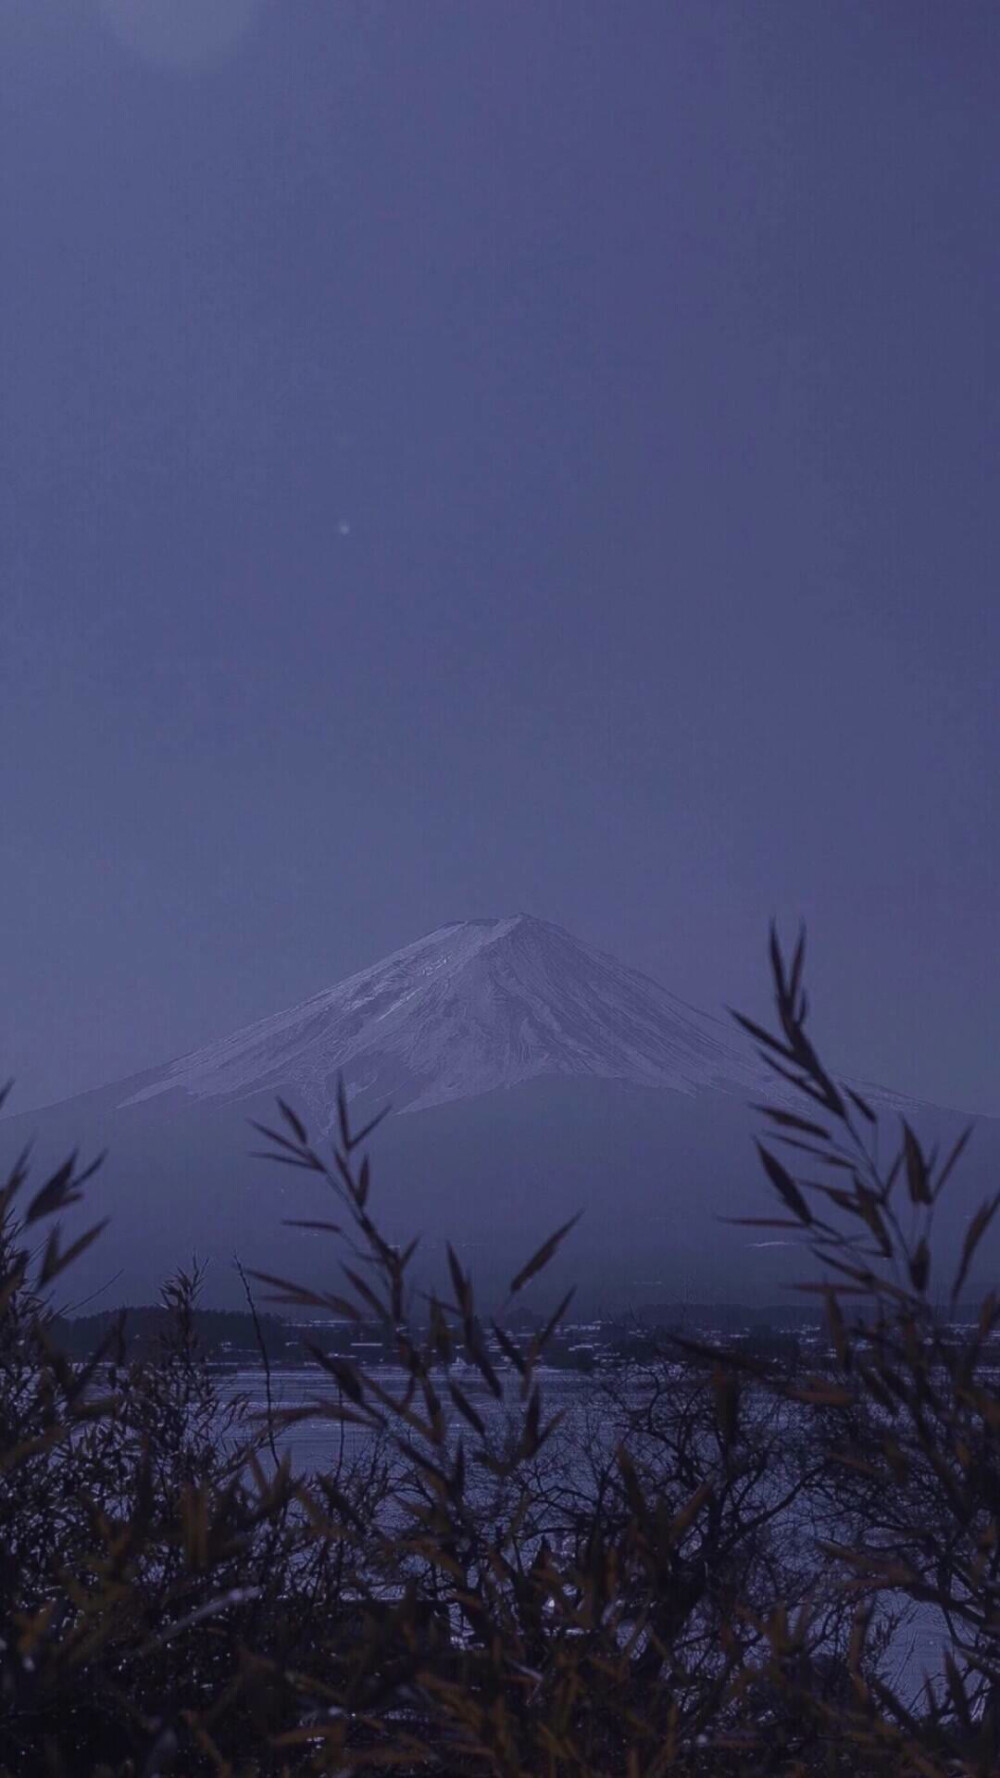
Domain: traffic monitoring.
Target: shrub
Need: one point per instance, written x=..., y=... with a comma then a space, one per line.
x=702, y=1573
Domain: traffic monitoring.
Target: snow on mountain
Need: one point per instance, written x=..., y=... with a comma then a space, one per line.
x=474, y=1006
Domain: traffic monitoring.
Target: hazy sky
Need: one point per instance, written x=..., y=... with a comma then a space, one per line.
x=470, y=456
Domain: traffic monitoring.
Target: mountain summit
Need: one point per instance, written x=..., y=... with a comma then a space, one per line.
x=473, y=1006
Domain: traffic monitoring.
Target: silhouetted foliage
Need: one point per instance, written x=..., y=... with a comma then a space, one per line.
x=704, y=1569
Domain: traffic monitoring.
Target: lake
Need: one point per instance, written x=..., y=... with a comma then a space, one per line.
x=316, y=1446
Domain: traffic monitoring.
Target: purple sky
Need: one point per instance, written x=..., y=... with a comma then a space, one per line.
x=463, y=456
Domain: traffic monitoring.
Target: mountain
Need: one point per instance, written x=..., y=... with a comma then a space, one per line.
x=473, y=1007
x=530, y=1075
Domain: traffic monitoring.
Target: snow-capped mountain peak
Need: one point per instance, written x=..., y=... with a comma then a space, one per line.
x=472, y=1006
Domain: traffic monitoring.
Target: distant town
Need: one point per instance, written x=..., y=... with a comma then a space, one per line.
x=233, y=1340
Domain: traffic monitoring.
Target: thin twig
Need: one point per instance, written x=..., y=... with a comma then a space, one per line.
x=265, y=1359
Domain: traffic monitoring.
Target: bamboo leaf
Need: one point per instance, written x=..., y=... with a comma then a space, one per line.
x=797, y=961
x=761, y=1035
x=56, y=1262
x=340, y=1370
x=785, y=1185
x=295, y=1148
x=762, y=1222
x=952, y=1158
x=973, y=1235
x=919, y=1267
x=56, y=1194
x=777, y=962
x=369, y=1295
x=509, y=1349
x=544, y=1254
x=917, y=1177
x=294, y=1122
x=342, y=1117
x=466, y=1408
x=864, y=1108
x=364, y=1133
x=689, y=1512
x=829, y=1160
x=460, y=1282
x=793, y=1122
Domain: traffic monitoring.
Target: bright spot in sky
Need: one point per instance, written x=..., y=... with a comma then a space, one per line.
x=180, y=33
x=344, y=528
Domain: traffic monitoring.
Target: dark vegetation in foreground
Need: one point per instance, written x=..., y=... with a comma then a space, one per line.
x=704, y=1581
